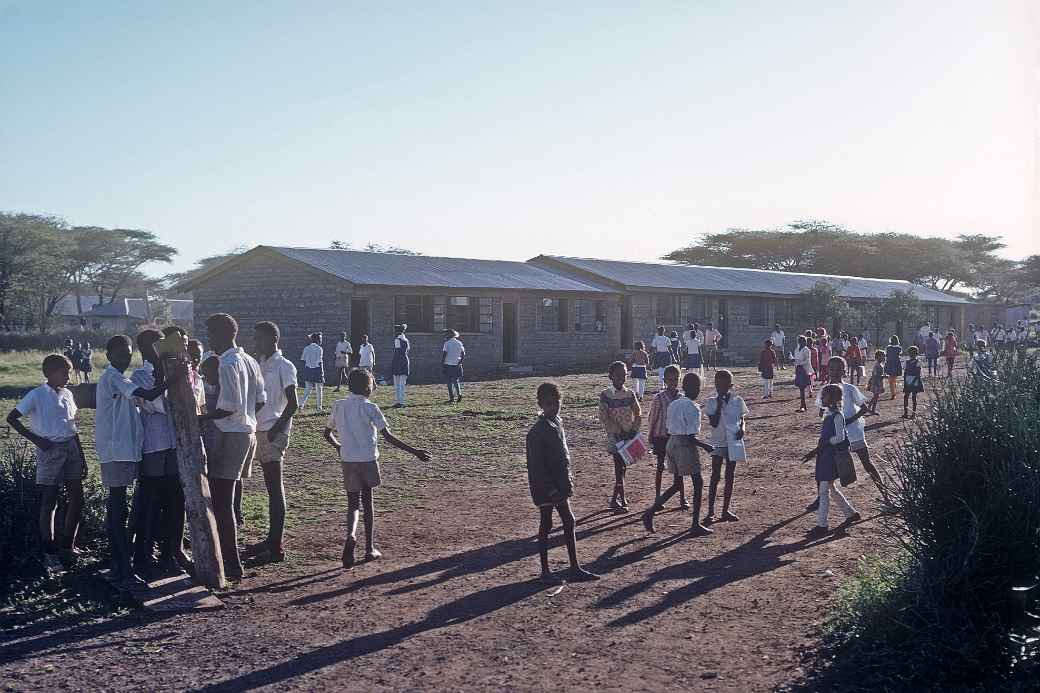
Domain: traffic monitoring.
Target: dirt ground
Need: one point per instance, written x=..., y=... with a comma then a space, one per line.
x=454, y=604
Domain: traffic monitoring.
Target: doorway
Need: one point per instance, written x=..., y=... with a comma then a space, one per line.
x=358, y=324
x=508, y=333
x=723, y=320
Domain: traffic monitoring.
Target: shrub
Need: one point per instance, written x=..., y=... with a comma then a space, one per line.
x=964, y=491
x=19, y=527
x=52, y=341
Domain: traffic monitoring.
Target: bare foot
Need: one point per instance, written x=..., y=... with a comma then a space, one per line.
x=648, y=521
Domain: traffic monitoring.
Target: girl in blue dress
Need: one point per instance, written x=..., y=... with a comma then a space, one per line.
x=400, y=367
x=912, y=382
x=832, y=437
x=893, y=363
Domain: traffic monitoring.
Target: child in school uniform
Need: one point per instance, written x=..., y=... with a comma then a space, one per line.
x=551, y=484
x=854, y=357
x=803, y=370
x=343, y=353
x=640, y=362
x=876, y=384
x=83, y=362
x=673, y=337
x=119, y=436
x=766, y=364
x=913, y=383
x=620, y=415
x=661, y=352
x=694, y=338
x=931, y=354
x=832, y=435
x=313, y=371
x=401, y=365
x=893, y=363
x=658, y=430
x=59, y=456
x=814, y=352
x=726, y=414
x=950, y=350
x=824, y=355
x=353, y=428
x=683, y=424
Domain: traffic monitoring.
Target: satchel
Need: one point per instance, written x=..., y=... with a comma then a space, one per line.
x=846, y=469
x=632, y=450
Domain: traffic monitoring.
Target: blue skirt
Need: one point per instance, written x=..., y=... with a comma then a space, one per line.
x=693, y=360
x=314, y=375
x=662, y=359
x=639, y=372
x=801, y=377
x=767, y=373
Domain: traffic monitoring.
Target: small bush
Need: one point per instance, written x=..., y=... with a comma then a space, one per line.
x=19, y=508
x=965, y=493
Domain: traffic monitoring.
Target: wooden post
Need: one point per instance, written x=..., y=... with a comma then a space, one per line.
x=205, y=544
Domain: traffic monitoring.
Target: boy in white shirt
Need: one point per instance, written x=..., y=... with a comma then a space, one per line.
x=313, y=370
x=726, y=413
x=273, y=431
x=352, y=429
x=778, y=338
x=661, y=354
x=241, y=396
x=453, y=353
x=59, y=455
x=366, y=355
x=694, y=338
x=712, y=337
x=684, y=423
x=343, y=354
x=119, y=437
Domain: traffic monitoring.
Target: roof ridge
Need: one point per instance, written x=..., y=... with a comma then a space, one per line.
x=375, y=252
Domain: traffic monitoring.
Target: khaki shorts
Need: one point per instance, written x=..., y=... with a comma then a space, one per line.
x=683, y=457
x=271, y=451
x=855, y=445
x=116, y=474
x=161, y=463
x=235, y=450
x=62, y=462
x=357, y=476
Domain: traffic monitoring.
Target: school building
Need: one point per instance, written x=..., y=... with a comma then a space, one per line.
x=547, y=315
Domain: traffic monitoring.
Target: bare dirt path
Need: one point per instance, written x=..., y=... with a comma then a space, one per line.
x=454, y=604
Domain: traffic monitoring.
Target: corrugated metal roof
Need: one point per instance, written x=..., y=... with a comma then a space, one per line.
x=733, y=280
x=388, y=269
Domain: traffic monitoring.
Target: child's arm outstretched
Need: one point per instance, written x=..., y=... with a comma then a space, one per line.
x=401, y=445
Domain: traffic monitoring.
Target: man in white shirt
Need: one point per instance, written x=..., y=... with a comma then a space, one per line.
x=712, y=337
x=343, y=354
x=452, y=355
x=273, y=431
x=366, y=355
x=59, y=455
x=726, y=413
x=778, y=338
x=693, y=338
x=119, y=438
x=241, y=397
x=313, y=358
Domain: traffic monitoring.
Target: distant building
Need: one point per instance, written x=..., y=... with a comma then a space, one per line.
x=550, y=314
x=127, y=315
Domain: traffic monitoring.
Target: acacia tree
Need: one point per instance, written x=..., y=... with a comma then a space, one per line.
x=824, y=301
x=121, y=254
x=899, y=307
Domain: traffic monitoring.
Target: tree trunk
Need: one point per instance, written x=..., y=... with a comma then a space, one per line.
x=205, y=545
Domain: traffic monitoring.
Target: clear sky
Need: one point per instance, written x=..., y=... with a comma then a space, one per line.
x=506, y=129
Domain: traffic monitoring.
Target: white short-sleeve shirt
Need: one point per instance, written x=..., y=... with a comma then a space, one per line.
x=729, y=423
x=366, y=355
x=661, y=344
x=312, y=355
x=851, y=401
x=53, y=412
x=241, y=389
x=683, y=417
x=453, y=352
x=118, y=431
x=155, y=415
x=279, y=374
x=357, y=423
x=694, y=339
x=343, y=348
x=778, y=339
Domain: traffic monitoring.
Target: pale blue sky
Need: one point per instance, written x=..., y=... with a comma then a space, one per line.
x=503, y=130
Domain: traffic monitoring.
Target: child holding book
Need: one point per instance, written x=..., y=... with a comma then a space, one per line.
x=620, y=415
x=353, y=428
x=59, y=456
x=726, y=414
x=550, y=481
x=832, y=436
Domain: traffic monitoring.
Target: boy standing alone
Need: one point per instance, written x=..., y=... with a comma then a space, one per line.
x=621, y=416
x=59, y=455
x=549, y=477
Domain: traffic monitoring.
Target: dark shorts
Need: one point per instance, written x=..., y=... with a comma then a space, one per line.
x=314, y=375
x=693, y=360
x=161, y=463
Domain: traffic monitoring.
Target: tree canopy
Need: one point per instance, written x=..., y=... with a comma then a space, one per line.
x=967, y=264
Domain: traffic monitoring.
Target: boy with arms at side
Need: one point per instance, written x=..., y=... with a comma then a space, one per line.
x=352, y=429
x=59, y=455
x=241, y=396
x=726, y=413
x=658, y=431
x=119, y=437
x=684, y=423
x=621, y=416
x=549, y=477
x=273, y=431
